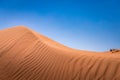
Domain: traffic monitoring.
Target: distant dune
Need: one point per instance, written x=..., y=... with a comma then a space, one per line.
x=28, y=55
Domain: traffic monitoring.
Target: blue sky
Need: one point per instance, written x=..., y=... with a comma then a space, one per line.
x=82, y=24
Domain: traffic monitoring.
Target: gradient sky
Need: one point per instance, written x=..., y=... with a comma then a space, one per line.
x=82, y=24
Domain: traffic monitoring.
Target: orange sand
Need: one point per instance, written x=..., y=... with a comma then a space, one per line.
x=27, y=55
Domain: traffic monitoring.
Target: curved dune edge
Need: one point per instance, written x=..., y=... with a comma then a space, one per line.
x=28, y=55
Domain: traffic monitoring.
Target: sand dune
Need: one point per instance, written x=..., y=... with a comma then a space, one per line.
x=28, y=55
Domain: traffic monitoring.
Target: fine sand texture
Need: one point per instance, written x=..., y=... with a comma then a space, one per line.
x=28, y=55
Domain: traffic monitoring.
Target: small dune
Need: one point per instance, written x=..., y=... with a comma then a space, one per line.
x=28, y=55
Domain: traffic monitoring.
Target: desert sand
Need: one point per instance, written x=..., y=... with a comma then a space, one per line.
x=28, y=55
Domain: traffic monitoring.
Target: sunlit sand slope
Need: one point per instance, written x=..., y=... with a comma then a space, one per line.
x=28, y=55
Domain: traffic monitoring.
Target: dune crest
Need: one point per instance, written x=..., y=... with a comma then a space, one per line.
x=28, y=55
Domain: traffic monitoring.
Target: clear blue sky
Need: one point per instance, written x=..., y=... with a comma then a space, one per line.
x=82, y=24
